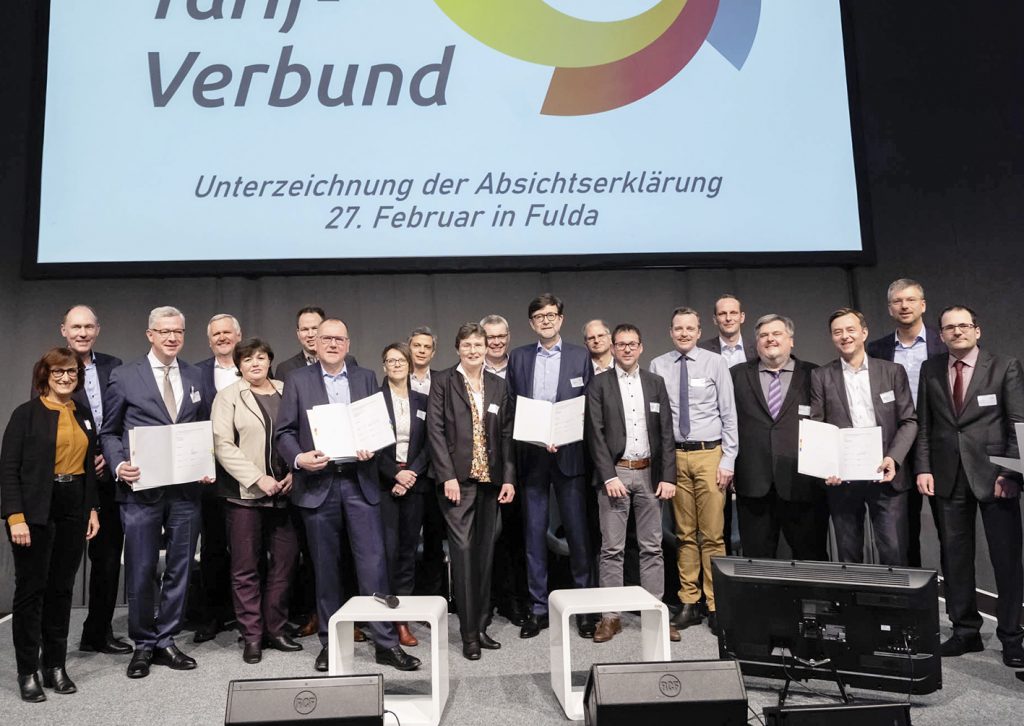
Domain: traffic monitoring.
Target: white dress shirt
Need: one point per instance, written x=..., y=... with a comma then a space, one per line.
x=858, y=394
x=420, y=386
x=638, y=444
x=175, y=375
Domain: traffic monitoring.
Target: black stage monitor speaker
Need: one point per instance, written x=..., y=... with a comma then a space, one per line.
x=665, y=694
x=840, y=714
x=348, y=700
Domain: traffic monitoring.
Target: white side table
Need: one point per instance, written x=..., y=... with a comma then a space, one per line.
x=563, y=604
x=414, y=709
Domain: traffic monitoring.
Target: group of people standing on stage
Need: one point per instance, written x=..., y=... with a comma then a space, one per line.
x=710, y=417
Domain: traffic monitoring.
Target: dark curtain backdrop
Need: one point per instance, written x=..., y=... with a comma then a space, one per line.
x=942, y=115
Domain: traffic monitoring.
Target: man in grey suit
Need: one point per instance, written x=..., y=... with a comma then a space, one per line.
x=156, y=390
x=857, y=391
x=629, y=435
x=968, y=404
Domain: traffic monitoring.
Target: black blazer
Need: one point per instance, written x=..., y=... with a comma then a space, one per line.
x=945, y=440
x=897, y=417
x=769, y=447
x=417, y=459
x=27, y=460
x=299, y=361
x=605, y=430
x=885, y=347
x=715, y=346
x=450, y=428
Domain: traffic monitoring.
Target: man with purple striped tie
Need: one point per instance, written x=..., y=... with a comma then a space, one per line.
x=773, y=393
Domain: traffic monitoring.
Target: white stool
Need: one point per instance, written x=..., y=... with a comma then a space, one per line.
x=413, y=709
x=563, y=604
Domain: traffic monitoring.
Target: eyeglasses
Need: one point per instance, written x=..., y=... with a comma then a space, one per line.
x=59, y=373
x=541, y=317
x=632, y=345
x=491, y=338
x=395, y=362
x=168, y=332
x=335, y=339
x=962, y=327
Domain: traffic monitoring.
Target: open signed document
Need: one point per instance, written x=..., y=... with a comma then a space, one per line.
x=851, y=454
x=174, y=454
x=549, y=424
x=340, y=430
x=1005, y=461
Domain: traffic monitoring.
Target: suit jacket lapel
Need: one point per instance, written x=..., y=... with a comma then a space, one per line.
x=249, y=401
x=980, y=369
x=876, y=384
x=796, y=382
x=754, y=381
x=531, y=366
x=839, y=383
x=147, y=376
x=490, y=392
x=457, y=381
x=388, y=403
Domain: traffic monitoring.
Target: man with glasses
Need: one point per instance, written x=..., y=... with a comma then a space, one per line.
x=968, y=403
x=704, y=427
x=80, y=329
x=910, y=345
x=338, y=500
x=306, y=322
x=551, y=370
x=629, y=434
x=598, y=339
x=496, y=329
x=156, y=390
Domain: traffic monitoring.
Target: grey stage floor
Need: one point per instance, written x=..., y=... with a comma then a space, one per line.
x=510, y=686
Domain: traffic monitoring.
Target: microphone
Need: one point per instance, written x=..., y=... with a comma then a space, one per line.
x=390, y=600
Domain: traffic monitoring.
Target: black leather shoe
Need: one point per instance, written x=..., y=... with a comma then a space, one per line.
x=487, y=642
x=533, y=625
x=586, y=626
x=58, y=679
x=173, y=658
x=956, y=645
x=513, y=612
x=686, y=617
x=397, y=659
x=107, y=644
x=321, y=660
x=471, y=649
x=138, y=667
x=30, y=688
x=281, y=642
x=713, y=622
x=252, y=653
x=207, y=631
x=1013, y=655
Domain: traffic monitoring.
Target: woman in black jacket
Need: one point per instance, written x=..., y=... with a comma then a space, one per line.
x=47, y=500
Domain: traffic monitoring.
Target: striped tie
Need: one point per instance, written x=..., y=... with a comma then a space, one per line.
x=775, y=394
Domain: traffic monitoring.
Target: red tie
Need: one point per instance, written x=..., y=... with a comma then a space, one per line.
x=958, y=386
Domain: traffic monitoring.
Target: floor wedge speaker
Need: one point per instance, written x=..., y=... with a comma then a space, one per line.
x=840, y=714
x=665, y=694
x=348, y=700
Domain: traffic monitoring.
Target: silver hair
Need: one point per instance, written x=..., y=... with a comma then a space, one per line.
x=224, y=316
x=423, y=330
x=603, y=324
x=493, y=320
x=776, y=318
x=902, y=284
x=164, y=311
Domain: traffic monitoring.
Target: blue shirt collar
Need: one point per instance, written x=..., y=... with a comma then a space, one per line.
x=343, y=373
x=556, y=348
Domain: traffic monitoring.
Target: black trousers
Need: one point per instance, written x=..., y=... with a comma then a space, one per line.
x=44, y=580
x=1001, y=520
x=804, y=525
x=402, y=518
x=509, y=582
x=104, y=565
x=888, y=511
x=215, y=561
x=472, y=530
x=431, y=573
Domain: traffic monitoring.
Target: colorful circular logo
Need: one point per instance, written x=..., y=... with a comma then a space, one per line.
x=601, y=66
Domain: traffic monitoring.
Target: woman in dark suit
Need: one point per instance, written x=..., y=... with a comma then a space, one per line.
x=469, y=427
x=401, y=501
x=255, y=487
x=48, y=500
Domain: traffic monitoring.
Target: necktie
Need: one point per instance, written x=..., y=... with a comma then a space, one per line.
x=958, y=386
x=172, y=407
x=684, y=399
x=775, y=393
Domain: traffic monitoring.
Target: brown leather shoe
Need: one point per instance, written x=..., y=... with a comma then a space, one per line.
x=673, y=633
x=358, y=635
x=405, y=636
x=607, y=629
x=310, y=627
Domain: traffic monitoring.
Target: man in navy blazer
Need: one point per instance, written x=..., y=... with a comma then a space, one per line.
x=156, y=390
x=551, y=370
x=910, y=345
x=337, y=499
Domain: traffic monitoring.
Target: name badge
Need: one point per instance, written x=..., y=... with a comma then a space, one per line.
x=493, y=408
x=803, y=410
x=698, y=382
x=421, y=415
x=195, y=396
x=576, y=382
x=655, y=407
x=88, y=426
x=887, y=396
x=987, y=399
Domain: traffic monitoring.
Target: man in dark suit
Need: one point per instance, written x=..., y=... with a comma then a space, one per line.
x=306, y=322
x=551, y=370
x=215, y=608
x=857, y=391
x=731, y=345
x=337, y=500
x=629, y=434
x=772, y=394
x=156, y=390
x=968, y=404
x=80, y=328
x=911, y=345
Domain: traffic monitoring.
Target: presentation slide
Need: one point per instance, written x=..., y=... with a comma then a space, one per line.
x=444, y=134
